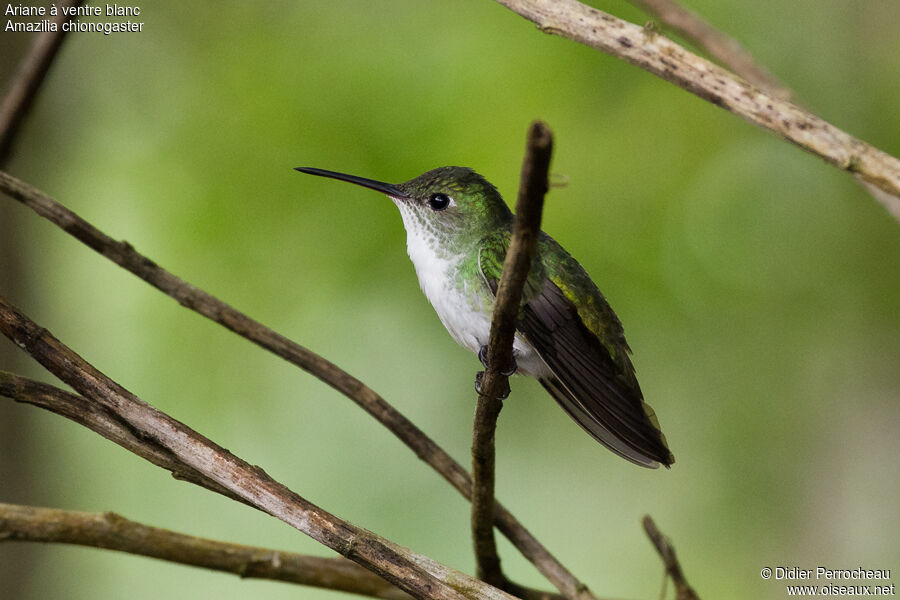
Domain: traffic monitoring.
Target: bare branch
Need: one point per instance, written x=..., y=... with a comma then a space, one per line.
x=101, y=421
x=730, y=53
x=415, y=574
x=113, y=532
x=661, y=56
x=29, y=76
x=124, y=255
x=683, y=591
x=494, y=385
x=725, y=49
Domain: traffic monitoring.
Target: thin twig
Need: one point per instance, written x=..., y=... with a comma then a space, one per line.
x=494, y=385
x=113, y=532
x=725, y=49
x=28, y=78
x=655, y=53
x=124, y=255
x=683, y=591
x=413, y=573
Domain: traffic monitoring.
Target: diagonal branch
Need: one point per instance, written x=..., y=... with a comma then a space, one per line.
x=647, y=49
x=725, y=49
x=493, y=384
x=113, y=532
x=124, y=255
x=28, y=79
x=729, y=52
x=98, y=419
x=419, y=576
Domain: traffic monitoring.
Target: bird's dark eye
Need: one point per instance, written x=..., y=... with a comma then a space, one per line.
x=439, y=201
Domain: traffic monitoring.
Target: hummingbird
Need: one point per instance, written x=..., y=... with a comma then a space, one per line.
x=458, y=230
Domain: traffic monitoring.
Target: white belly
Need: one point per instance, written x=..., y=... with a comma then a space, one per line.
x=459, y=309
x=460, y=305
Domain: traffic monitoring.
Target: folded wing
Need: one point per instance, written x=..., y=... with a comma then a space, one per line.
x=600, y=393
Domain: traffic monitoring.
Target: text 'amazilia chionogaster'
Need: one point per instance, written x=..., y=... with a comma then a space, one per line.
x=458, y=229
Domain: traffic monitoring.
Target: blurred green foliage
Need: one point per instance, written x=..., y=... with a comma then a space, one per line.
x=759, y=287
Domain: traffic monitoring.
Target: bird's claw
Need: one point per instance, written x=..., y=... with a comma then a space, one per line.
x=511, y=370
x=504, y=394
x=482, y=355
x=508, y=372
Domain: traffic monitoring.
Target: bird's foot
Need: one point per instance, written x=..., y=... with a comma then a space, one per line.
x=482, y=355
x=504, y=394
x=510, y=369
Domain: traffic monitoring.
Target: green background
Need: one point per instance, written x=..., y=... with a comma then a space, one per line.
x=759, y=287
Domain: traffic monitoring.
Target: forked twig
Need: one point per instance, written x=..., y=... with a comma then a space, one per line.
x=683, y=591
x=724, y=48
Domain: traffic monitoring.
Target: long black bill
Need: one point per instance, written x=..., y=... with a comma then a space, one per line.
x=384, y=188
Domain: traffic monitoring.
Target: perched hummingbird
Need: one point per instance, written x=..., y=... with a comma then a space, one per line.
x=457, y=233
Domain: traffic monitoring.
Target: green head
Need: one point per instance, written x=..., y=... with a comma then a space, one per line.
x=450, y=203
